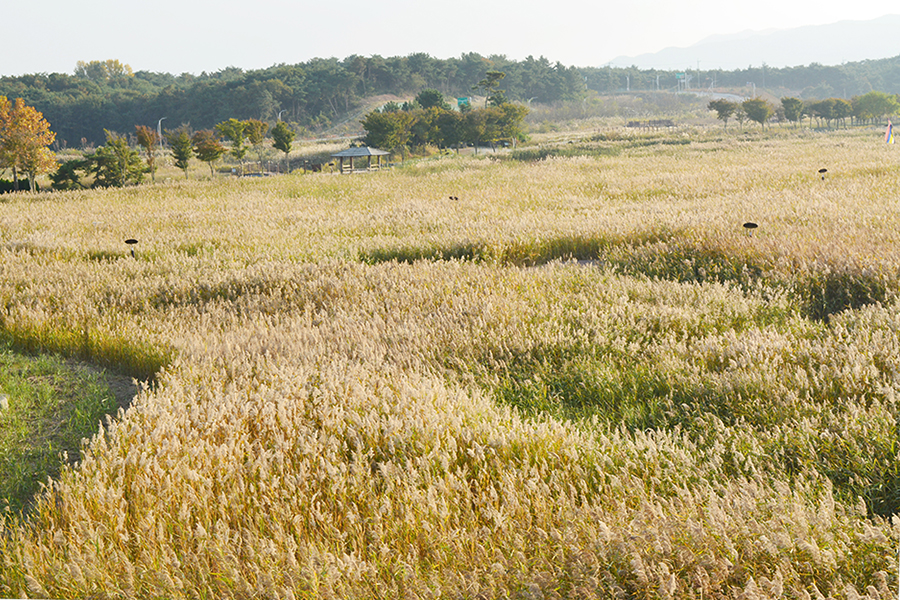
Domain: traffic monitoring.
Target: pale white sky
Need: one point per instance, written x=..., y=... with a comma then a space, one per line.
x=177, y=36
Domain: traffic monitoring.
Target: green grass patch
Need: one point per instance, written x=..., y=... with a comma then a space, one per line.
x=829, y=292
x=50, y=405
x=105, y=255
x=818, y=293
x=533, y=154
x=474, y=252
x=856, y=451
x=582, y=388
x=528, y=253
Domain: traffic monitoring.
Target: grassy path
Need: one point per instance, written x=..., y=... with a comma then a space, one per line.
x=51, y=404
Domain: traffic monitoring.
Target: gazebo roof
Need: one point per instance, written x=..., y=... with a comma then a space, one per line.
x=360, y=151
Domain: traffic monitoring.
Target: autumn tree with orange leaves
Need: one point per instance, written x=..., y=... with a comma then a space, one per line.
x=24, y=139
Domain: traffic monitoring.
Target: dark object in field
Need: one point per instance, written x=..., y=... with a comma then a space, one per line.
x=131, y=242
x=822, y=173
x=750, y=226
x=454, y=197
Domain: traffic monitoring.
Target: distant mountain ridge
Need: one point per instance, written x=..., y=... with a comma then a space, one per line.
x=832, y=44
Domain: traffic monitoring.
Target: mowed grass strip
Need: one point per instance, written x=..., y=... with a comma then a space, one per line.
x=49, y=405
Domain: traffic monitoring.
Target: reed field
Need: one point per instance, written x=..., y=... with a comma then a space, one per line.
x=563, y=371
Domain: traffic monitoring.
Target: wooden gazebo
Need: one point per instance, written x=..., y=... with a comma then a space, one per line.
x=360, y=152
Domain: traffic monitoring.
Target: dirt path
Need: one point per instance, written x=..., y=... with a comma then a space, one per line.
x=123, y=387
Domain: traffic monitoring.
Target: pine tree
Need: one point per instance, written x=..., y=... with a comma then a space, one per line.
x=282, y=137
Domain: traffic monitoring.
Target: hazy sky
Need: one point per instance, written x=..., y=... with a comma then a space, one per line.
x=177, y=36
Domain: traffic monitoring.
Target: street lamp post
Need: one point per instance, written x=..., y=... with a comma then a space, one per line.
x=159, y=129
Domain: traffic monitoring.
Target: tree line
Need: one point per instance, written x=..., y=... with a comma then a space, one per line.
x=430, y=120
x=25, y=137
x=103, y=95
x=427, y=120
x=117, y=163
x=867, y=108
x=810, y=81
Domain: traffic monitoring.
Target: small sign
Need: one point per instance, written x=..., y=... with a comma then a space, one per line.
x=131, y=242
x=679, y=75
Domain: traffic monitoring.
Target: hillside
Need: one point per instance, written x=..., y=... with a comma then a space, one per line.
x=832, y=44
